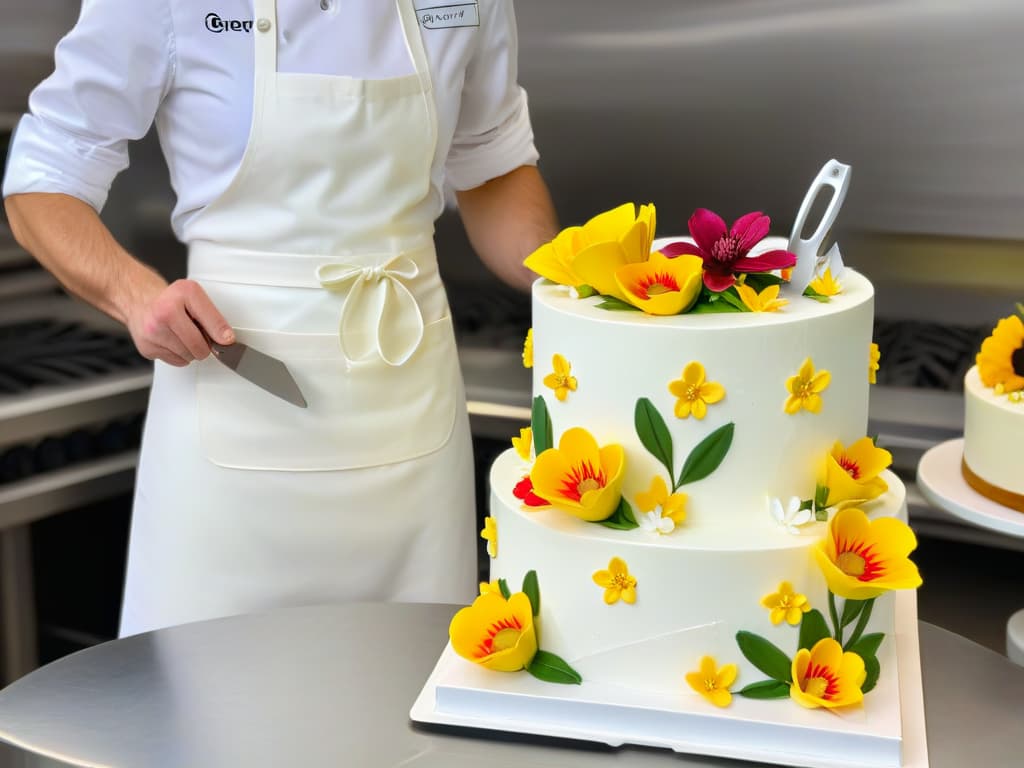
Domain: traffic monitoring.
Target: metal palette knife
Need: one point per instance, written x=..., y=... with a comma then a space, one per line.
x=808, y=252
x=266, y=372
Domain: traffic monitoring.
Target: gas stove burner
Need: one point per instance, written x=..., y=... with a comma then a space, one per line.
x=46, y=352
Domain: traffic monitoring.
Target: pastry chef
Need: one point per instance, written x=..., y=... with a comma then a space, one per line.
x=308, y=143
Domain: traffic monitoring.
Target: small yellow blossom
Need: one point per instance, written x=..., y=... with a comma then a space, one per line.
x=528, y=350
x=805, y=388
x=873, y=357
x=617, y=582
x=851, y=473
x=560, y=379
x=694, y=393
x=490, y=535
x=786, y=604
x=657, y=497
x=523, y=443
x=713, y=683
x=826, y=285
x=766, y=301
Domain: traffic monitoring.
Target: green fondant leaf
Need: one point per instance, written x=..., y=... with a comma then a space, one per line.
x=503, y=586
x=708, y=308
x=851, y=610
x=821, y=496
x=540, y=422
x=731, y=297
x=616, y=305
x=765, y=689
x=812, y=629
x=765, y=656
x=761, y=280
x=553, y=669
x=585, y=291
x=707, y=455
x=867, y=645
x=532, y=590
x=622, y=518
x=807, y=504
x=810, y=293
x=653, y=433
x=874, y=669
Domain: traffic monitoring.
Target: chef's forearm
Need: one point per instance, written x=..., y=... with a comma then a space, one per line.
x=506, y=219
x=68, y=238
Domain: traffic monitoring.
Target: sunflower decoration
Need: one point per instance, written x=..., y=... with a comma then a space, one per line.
x=1001, y=359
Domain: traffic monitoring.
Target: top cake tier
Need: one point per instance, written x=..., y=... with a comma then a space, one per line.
x=618, y=358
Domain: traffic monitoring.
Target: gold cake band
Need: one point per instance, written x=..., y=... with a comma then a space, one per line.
x=993, y=492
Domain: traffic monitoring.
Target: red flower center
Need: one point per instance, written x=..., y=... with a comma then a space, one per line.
x=726, y=249
x=656, y=284
x=851, y=466
x=858, y=560
x=498, y=636
x=821, y=682
x=583, y=478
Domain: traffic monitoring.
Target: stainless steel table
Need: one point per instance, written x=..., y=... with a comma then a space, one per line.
x=332, y=686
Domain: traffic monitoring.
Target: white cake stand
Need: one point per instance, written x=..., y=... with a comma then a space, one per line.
x=943, y=485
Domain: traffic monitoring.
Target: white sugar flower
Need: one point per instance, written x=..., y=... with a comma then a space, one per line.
x=790, y=517
x=653, y=522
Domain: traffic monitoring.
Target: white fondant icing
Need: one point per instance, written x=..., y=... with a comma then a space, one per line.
x=993, y=433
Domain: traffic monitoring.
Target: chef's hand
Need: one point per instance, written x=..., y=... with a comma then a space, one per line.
x=171, y=323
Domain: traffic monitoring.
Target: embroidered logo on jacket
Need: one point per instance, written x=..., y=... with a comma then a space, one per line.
x=215, y=23
x=448, y=16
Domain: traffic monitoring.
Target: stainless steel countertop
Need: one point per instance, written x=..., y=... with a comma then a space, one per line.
x=332, y=685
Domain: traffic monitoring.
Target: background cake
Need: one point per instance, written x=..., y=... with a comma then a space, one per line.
x=994, y=416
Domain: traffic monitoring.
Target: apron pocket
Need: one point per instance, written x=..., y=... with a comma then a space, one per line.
x=360, y=414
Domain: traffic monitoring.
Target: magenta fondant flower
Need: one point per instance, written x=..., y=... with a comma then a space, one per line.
x=724, y=251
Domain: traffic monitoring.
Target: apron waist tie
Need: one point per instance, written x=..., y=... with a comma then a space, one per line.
x=378, y=288
x=375, y=283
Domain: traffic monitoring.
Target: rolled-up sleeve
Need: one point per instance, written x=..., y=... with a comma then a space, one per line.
x=111, y=73
x=493, y=134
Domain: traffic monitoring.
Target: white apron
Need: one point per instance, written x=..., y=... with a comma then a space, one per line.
x=320, y=252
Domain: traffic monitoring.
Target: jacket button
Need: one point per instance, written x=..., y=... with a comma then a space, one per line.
x=263, y=25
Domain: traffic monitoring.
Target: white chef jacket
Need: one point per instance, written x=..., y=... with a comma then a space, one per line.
x=184, y=64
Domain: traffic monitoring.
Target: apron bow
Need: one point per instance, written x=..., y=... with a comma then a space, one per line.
x=379, y=289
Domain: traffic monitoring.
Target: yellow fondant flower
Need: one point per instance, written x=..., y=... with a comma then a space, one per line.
x=874, y=355
x=1001, y=359
x=612, y=240
x=528, y=350
x=660, y=285
x=863, y=558
x=617, y=582
x=496, y=633
x=806, y=387
x=579, y=477
x=487, y=587
x=553, y=260
x=694, y=393
x=825, y=676
x=523, y=443
x=786, y=604
x=852, y=474
x=713, y=683
x=560, y=379
x=490, y=535
x=766, y=301
x=658, y=499
x=826, y=285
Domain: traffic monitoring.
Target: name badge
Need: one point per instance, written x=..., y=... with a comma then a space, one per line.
x=449, y=16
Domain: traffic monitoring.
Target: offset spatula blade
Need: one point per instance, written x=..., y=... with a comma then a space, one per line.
x=266, y=372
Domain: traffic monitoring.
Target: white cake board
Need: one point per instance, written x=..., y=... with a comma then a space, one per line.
x=941, y=482
x=461, y=694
